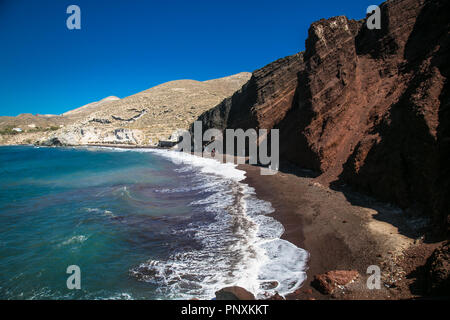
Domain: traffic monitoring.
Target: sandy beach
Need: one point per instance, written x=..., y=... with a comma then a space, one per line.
x=345, y=231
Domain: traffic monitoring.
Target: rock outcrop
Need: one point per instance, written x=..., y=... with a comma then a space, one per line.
x=327, y=283
x=372, y=105
x=368, y=108
x=438, y=268
x=263, y=101
x=53, y=142
x=234, y=293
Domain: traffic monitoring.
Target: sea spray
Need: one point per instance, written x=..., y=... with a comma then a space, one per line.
x=242, y=246
x=138, y=225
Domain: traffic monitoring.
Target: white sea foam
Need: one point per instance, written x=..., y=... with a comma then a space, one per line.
x=75, y=239
x=205, y=165
x=119, y=296
x=103, y=212
x=241, y=246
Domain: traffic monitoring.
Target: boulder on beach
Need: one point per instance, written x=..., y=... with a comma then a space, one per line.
x=438, y=268
x=274, y=297
x=234, y=293
x=328, y=282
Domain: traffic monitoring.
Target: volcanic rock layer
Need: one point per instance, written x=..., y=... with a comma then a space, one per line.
x=369, y=108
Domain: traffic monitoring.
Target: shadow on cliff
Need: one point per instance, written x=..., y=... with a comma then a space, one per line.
x=409, y=164
x=294, y=147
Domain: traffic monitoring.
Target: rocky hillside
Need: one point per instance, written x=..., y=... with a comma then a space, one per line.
x=262, y=102
x=369, y=108
x=141, y=119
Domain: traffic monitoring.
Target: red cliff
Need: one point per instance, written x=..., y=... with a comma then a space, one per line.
x=368, y=108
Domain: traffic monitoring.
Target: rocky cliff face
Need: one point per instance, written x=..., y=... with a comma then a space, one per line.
x=365, y=107
x=371, y=105
x=262, y=102
x=404, y=153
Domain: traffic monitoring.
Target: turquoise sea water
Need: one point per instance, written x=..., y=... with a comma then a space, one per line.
x=138, y=225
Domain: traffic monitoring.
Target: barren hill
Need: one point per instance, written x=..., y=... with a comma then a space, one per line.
x=141, y=119
x=91, y=107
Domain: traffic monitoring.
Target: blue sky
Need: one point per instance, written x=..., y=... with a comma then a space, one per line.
x=126, y=46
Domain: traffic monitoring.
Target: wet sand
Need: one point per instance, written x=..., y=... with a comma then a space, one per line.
x=342, y=232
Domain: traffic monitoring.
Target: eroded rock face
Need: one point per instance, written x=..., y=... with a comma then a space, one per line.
x=53, y=142
x=262, y=102
x=438, y=266
x=369, y=108
x=81, y=135
x=372, y=105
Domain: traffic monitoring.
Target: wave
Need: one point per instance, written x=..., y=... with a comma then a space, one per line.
x=240, y=244
x=74, y=240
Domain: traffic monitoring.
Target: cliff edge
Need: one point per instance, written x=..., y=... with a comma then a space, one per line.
x=368, y=108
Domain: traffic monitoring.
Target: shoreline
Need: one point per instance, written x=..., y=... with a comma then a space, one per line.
x=120, y=146
x=232, y=172
x=341, y=231
x=344, y=232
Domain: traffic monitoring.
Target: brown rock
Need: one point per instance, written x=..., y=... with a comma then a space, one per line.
x=438, y=267
x=328, y=282
x=262, y=102
x=372, y=107
x=234, y=293
x=276, y=296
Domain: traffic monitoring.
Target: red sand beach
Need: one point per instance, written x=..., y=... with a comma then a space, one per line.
x=344, y=232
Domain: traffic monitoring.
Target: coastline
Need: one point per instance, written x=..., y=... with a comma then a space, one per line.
x=268, y=255
x=344, y=232
x=340, y=231
x=120, y=146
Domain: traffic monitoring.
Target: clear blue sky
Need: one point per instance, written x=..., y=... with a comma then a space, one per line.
x=126, y=46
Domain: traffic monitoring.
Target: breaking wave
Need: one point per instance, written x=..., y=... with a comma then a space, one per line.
x=239, y=243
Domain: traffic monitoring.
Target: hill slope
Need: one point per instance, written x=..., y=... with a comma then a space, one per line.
x=141, y=119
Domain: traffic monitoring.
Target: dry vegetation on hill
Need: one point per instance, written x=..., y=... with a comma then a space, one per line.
x=140, y=119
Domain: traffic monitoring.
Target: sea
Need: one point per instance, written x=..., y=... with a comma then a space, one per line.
x=139, y=224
